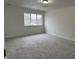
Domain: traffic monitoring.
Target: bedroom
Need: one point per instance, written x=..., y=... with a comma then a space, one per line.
x=39, y=29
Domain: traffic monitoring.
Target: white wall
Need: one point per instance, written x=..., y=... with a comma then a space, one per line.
x=14, y=23
x=61, y=22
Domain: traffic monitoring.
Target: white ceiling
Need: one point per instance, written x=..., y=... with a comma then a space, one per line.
x=36, y=4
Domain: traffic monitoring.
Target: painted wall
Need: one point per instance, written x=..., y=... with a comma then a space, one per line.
x=61, y=22
x=14, y=22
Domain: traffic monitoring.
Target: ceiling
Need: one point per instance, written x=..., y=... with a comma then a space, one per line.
x=36, y=4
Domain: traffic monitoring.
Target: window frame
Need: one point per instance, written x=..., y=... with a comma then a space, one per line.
x=36, y=20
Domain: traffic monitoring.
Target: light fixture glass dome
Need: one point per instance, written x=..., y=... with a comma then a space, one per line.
x=45, y=1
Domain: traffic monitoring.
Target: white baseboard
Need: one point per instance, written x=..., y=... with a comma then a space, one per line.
x=61, y=36
x=15, y=36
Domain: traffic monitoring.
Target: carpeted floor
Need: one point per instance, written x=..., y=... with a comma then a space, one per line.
x=41, y=46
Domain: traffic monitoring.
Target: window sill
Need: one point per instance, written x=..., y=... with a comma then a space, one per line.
x=33, y=25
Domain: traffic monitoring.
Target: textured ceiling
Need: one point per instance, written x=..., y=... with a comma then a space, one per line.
x=36, y=4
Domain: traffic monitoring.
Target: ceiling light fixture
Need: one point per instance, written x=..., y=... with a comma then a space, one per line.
x=45, y=1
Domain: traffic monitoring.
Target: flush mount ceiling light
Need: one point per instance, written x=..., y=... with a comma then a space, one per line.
x=45, y=1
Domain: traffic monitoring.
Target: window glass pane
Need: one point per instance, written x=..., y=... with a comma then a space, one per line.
x=39, y=19
x=26, y=19
x=33, y=19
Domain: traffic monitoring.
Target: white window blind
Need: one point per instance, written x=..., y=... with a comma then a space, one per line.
x=26, y=19
x=32, y=19
x=39, y=19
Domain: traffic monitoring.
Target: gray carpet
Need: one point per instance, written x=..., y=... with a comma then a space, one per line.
x=42, y=46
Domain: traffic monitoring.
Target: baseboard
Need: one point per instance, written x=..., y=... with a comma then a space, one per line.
x=61, y=36
x=9, y=37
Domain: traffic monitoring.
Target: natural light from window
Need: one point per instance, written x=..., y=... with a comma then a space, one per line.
x=31, y=19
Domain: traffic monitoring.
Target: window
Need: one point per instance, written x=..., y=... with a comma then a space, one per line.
x=26, y=19
x=32, y=19
x=39, y=19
